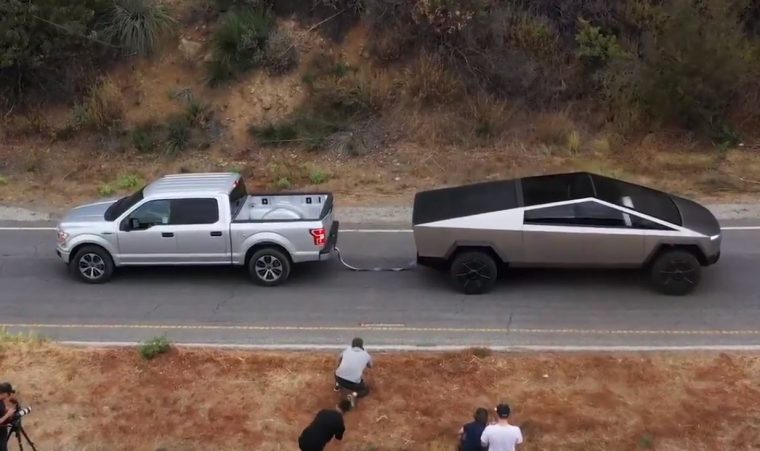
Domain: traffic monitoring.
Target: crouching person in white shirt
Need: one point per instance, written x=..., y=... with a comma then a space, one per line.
x=350, y=372
x=501, y=436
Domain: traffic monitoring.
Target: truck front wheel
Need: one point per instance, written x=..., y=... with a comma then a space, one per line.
x=474, y=272
x=269, y=267
x=675, y=272
x=91, y=264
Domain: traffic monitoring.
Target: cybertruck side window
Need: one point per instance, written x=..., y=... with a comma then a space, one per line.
x=546, y=189
x=582, y=214
x=589, y=214
x=645, y=224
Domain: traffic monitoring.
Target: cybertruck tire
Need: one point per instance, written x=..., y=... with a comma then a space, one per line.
x=474, y=272
x=92, y=264
x=675, y=272
x=269, y=267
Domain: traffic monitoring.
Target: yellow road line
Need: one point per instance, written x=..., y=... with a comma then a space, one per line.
x=382, y=329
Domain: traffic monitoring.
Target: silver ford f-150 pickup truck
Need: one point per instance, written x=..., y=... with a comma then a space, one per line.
x=199, y=219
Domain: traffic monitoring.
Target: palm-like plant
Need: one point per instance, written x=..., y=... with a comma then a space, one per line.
x=137, y=25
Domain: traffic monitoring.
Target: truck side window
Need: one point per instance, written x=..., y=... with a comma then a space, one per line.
x=152, y=213
x=194, y=211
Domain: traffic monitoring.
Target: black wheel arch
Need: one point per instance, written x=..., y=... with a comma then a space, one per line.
x=487, y=249
x=665, y=247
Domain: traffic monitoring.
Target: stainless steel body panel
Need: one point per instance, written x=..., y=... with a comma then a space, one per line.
x=618, y=236
x=583, y=247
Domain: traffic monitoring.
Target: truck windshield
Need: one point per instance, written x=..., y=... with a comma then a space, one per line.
x=122, y=205
x=237, y=197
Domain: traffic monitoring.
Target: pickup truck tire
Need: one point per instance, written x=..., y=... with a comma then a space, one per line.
x=474, y=272
x=269, y=267
x=92, y=264
x=675, y=272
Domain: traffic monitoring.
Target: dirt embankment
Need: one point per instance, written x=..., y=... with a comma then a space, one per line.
x=93, y=399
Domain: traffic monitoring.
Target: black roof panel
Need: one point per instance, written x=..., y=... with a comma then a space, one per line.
x=466, y=200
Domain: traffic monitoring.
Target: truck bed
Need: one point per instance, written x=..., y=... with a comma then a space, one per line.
x=285, y=207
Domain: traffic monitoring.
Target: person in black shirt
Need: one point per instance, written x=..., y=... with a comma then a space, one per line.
x=469, y=435
x=7, y=410
x=326, y=425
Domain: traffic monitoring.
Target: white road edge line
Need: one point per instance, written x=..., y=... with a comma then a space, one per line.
x=23, y=229
x=434, y=348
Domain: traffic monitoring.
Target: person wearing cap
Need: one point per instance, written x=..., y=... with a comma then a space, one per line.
x=326, y=425
x=470, y=433
x=501, y=436
x=7, y=409
x=350, y=373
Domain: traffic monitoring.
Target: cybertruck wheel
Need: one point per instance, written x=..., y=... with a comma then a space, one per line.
x=269, y=267
x=474, y=272
x=675, y=272
x=92, y=264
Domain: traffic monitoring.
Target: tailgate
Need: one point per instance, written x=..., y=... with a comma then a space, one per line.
x=332, y=238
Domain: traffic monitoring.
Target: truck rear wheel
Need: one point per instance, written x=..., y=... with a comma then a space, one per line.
x=675, y=272
x=474, y=272
x=269, y=267
x=92, y=264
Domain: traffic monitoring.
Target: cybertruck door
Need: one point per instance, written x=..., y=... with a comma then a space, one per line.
x=584, y=233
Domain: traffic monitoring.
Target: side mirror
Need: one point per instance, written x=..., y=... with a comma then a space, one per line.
x=134, y=224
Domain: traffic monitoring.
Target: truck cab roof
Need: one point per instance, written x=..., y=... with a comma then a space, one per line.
x=204, y=183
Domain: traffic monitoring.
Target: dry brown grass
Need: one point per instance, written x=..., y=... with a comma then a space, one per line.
x=553, y=128
x=104, y=106
x=428, y=82
x=190, y=399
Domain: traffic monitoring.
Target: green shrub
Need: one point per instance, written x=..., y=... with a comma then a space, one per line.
x=305, y=129
x=137, y=25
x=530, y=32
x=238, y=43
x=35, y=54
x=275, y=134
x=198, y=113
x=146, y=137
x=154, y=347
x=3, y=180
x=129, y=182
x=318, y=177
x=280, y=54
x=30, y=337
x=106, y=190
x=178, y=134
x=283, y=184
x=689, y=71
x=595, y=48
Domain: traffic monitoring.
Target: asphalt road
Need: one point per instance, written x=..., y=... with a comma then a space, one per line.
x=326, y=304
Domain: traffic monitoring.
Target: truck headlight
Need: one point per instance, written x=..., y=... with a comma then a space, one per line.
x=714, y=237
x=62, y=237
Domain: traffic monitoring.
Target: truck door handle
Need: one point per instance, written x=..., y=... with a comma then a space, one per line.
x=216, y=233
x=167, y=234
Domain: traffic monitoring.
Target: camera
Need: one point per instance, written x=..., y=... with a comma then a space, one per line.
x=22, y=412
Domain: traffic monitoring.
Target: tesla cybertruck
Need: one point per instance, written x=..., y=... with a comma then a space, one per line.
x=572, y=220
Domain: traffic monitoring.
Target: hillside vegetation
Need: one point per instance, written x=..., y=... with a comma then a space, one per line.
x=377, y=98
